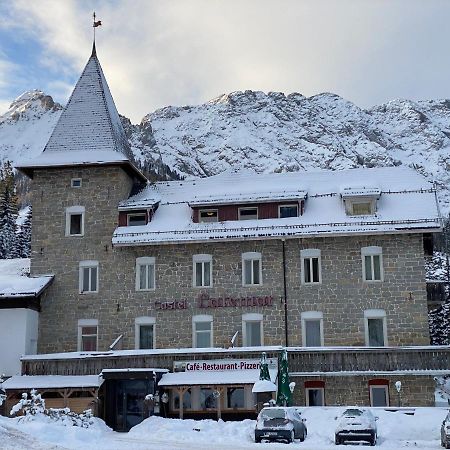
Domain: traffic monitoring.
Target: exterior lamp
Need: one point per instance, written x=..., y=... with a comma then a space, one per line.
x=398, y=387
x=292, y=386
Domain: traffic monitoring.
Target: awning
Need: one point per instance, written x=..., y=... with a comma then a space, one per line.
x=212, y=378
x=52, y=382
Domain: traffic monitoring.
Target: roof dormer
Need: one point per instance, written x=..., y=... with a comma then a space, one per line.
x=360, y=201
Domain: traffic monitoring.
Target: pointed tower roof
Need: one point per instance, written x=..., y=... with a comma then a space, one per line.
x=89, y=131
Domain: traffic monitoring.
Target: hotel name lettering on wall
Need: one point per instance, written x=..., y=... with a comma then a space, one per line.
x=205, y=301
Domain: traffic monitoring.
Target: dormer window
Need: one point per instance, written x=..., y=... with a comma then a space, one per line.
x=285, y=211
x=362, y=208
x=208, y=215
x=136, y=219
x=360, y=201
x=248, y=213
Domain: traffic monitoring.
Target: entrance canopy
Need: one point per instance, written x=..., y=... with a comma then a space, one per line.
x=52, y=382
x=212, y=378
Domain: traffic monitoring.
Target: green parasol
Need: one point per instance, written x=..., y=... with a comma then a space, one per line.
x=283, y=393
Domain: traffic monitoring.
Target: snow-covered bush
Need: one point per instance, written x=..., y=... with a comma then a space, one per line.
x=35, y=406
x=29, y=406
x=70, y=418
x=2, y=392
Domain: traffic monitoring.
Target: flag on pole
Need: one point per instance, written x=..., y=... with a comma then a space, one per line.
x=97, y=24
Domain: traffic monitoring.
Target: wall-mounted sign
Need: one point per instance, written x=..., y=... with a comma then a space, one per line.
x=222, y=365
x=205, y=301
x=175, y=304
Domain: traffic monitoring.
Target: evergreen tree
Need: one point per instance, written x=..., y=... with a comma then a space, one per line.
x=9, y=247
x=24, y=236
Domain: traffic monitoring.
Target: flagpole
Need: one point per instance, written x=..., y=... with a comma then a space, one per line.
x=93, y=25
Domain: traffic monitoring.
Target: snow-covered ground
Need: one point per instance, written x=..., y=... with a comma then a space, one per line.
x=396, y=430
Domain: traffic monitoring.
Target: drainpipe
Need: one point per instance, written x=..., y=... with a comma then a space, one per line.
x=286, y=339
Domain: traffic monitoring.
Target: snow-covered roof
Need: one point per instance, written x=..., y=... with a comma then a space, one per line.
x=15, y=283
x=134, y=369
x=211, y=378
x=264, y=386
x=52, y=381
x=407, y=203
x=361, y=191
x=89, y=130
x=142, y=352
x=247, y=197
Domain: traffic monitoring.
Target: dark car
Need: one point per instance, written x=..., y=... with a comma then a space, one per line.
x=356, y=424
x=445, y=432
x=280, y=424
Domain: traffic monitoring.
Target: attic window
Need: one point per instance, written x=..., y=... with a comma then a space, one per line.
x=288, y=211
x=362, y=208
x=248, y=213
x=136, y=219
x=75, y=182
x=208, y=215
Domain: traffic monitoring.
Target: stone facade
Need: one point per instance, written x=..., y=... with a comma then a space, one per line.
x=354, y=390
x=342, y=296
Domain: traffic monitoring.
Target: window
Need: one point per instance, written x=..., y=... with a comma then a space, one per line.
x=248, y=213
x=208, y=215
x=314, y=397
x=202, y=331
x=75, y=182
x=88, y=277
x=87, y=335
x=145, y=273
x=315, y=393
x=207, y=399
x=251, y=269
x=375, y=327
x=75, y=221
x=202, y=270
x=379, y=392
x=252, y=330
x=312, y=329
x=144, y=336
x=311, y=266
x=361, y=208
x=187, y=400
x=287, y=211
x=372, y=260
x=136, y=219
x=235, y=397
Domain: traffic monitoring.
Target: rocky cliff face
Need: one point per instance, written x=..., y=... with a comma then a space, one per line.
x=265, y=132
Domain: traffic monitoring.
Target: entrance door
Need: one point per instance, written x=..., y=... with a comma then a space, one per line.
x=130, y=403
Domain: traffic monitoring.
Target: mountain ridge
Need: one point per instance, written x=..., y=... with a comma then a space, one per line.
x=266, y=132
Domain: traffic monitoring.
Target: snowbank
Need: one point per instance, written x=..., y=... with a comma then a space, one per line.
x=396, y=430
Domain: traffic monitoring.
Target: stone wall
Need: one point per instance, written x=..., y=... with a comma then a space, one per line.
x=342, y=296
x=354, y=390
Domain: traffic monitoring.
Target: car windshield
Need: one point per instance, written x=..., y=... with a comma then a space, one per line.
x=273, y=414
x=353, y=413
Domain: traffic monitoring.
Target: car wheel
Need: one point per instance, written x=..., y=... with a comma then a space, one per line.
x=257, y=439
x=373, y=441
x=292, y=437
x=302, y=437
x=447, y=444
x=337, y=440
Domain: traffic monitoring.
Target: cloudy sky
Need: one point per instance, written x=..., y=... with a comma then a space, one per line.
x=176, y=52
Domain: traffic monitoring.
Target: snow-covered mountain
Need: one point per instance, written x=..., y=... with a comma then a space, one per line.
x=266, y=132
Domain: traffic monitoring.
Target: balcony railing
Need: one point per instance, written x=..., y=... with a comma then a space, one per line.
x=301, y=360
